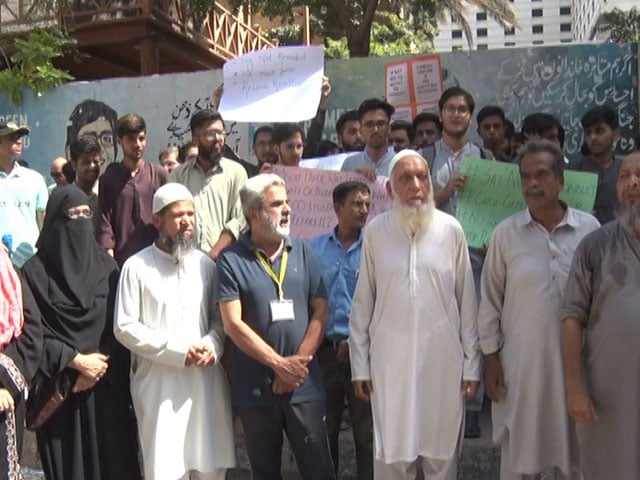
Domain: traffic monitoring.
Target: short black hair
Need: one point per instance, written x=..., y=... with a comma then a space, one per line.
x=456, y=92
x=284, y=131
x=202, y=117
x=182, y=151
x=403, y=125
x=342, y=190
x=83, y=144
x=600, y=114
x=326, y=147
x=490, y=111
x=538, y=123
x=541, y=145
x=375, y=104
x=348, y=116
x=263, y=129
x=509, y=128
x=130, y=124
x=423, y=117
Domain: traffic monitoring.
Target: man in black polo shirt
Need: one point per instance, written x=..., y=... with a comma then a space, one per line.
x=274, y=308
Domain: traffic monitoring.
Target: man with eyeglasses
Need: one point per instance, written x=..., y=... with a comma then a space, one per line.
x=57, y=173
x=445, y=156
x=85, y=158
x=126, y=191
x=375, y=115
x=23, y=195
x=214, y=181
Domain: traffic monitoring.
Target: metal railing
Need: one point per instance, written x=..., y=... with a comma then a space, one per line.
x=225, y=34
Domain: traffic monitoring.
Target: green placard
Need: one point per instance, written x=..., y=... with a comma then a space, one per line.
x=492, y=193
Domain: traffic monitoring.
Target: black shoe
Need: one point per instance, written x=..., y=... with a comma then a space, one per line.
x=472, y=425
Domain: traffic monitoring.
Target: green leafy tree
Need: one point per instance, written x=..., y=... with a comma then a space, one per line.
x=622, y=26
x=354, y=19
x=31, y=66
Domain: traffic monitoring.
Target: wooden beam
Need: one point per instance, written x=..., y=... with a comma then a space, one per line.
x=148, y=56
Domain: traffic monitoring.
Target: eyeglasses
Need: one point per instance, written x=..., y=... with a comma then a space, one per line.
x=371, y=124
x=461, y=110
x=105, y=137
x=213, y=134
x=78, y=212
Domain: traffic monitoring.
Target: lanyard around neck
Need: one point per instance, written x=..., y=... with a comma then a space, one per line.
x=279, y=280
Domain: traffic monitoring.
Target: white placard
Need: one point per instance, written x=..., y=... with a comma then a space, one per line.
x=273, y=85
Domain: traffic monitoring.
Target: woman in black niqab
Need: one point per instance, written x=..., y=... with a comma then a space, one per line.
x=92, y=436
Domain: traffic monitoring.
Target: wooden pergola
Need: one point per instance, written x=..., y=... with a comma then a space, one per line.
x=121, y=38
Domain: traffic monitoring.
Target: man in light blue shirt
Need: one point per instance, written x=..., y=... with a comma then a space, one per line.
x=339, y=255
x=23, y=195
x=375, y=116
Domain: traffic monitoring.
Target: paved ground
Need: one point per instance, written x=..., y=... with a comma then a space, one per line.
x=480, y=459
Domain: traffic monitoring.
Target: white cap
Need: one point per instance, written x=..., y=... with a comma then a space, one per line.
x=169, y=193
x=401, y=155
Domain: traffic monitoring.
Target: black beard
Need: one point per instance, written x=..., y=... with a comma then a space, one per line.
x=210, y=155
x=179, y=246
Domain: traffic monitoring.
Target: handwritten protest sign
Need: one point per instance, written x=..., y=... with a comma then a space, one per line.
x=310, y=197
x=492, y=193
x=330, y=162
x=273, y=85
x=413, y=86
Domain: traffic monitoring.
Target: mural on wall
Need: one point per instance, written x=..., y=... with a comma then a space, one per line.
x=564, y=80
x=91, y=117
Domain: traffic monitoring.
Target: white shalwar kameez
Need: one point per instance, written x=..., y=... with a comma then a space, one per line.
x=413, y=334
x=184, y=413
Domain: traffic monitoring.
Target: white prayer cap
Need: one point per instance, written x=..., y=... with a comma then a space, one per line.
x=407, y=152
x=170, y=193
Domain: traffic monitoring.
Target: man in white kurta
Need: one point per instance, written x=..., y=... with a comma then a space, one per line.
x=167, y=317
x=413, y=334
x=523, y=282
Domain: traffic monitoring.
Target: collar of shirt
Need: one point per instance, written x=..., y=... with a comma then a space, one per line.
x=15, y=171
x=333, y=237
x=568, y=219
x=446, y=150
x=247, y=243
x=216, y=169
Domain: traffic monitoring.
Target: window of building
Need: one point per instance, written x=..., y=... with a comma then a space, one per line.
x=456, y=33
x=537, y=29
x=509, y=44
x=481, y=16
x=456, y=48
x=565, y=10
x=481, y=32
x=538, y=42
x=483, y=46
x=510, y=31
x=565, y=27
x=566, y=40
x=536, y=12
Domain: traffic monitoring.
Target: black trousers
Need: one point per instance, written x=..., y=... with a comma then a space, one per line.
x=307, y=433
x=336, y=377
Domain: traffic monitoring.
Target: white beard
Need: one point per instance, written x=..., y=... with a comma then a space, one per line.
x=414, y=217
x=274, y=225
x=629, y=215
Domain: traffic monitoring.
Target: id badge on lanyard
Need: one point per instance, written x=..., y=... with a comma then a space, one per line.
x=282, y=308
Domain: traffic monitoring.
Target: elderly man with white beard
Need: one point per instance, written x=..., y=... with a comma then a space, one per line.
x=601, y=334
x=166, y=315
x=413, y=332
x=274, y=308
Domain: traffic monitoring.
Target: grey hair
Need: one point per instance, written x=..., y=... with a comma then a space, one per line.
x=171, y=150
x=253, y=192
x=544, y=146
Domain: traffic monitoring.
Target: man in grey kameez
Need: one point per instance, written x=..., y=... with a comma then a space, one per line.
x=601, y=338
x=523, y=281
